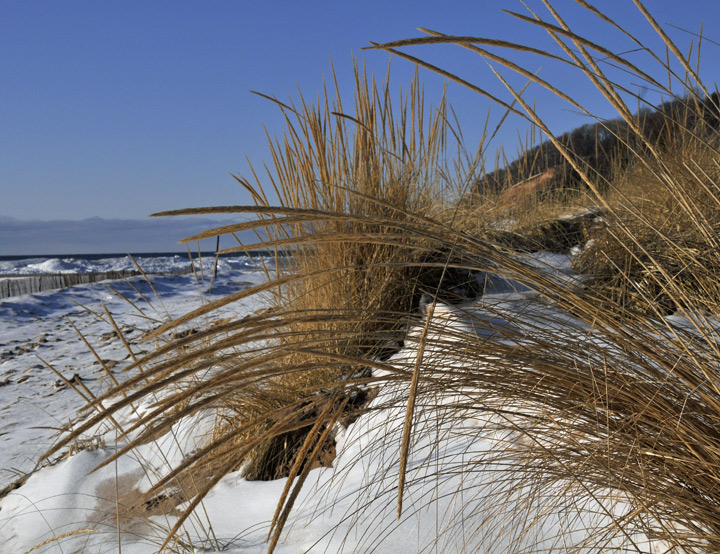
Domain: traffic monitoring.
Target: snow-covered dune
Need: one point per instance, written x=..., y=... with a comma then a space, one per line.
x=463, y=493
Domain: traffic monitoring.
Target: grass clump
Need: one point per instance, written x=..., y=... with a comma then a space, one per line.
x=378, y=165
x=355, y=197
x=349, y=189
x=658, y=250
x=622, y=411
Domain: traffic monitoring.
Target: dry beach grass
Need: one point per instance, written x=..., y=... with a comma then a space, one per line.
x=607, y=399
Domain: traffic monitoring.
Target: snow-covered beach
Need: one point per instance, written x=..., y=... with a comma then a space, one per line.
x=40, y=330
x=349, y=507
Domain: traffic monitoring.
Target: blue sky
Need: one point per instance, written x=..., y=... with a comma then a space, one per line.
x=120, y=109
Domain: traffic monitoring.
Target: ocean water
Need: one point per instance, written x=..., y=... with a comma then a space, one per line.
x=161, y=262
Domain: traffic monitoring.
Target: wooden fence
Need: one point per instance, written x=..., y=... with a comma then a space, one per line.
x=17, y=285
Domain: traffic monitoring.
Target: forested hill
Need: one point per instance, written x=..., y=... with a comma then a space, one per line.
x=606, y=145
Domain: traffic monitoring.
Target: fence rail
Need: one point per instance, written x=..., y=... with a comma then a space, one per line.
x=17, y=285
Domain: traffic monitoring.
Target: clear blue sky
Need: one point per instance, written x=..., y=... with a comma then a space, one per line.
x=121, y=109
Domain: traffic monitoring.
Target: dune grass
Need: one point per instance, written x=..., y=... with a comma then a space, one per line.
x=635, y=414
x=607, y=399
x=353, y=256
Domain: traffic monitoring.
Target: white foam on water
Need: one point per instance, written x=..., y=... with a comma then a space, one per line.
x=149, y=264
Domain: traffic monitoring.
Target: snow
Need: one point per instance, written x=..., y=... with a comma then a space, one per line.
x=455, y=472
x=40, y=328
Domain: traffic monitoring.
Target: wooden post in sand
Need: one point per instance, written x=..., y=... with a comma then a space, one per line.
x=217, y=250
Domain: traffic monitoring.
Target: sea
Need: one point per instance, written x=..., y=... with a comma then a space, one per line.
x=151, y=263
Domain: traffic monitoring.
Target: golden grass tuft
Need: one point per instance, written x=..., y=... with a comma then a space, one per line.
x=352, y=280
x=353, y=256
x=627, y=409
